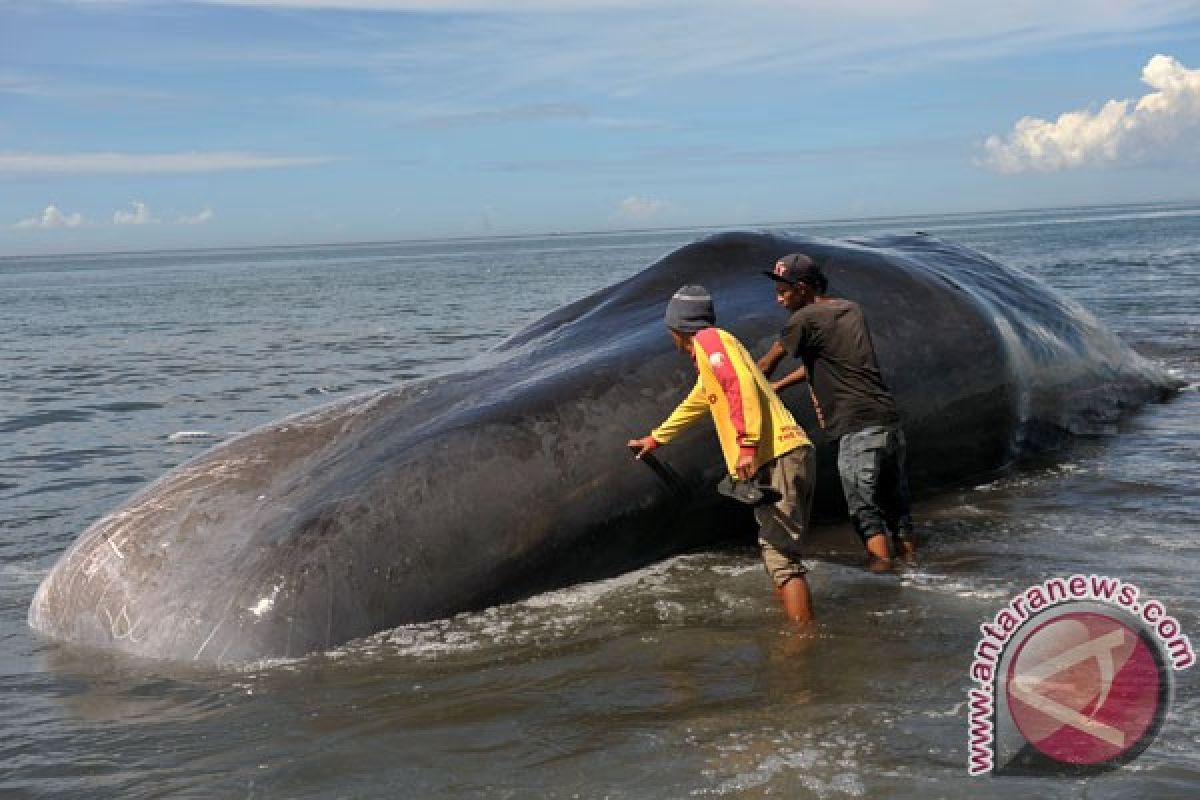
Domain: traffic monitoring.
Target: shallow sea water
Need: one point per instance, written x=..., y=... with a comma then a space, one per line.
x=679, y=680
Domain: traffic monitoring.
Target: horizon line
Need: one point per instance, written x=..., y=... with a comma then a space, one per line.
x=606, y=232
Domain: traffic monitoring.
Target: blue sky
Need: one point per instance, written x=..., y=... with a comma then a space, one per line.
x=143, y=124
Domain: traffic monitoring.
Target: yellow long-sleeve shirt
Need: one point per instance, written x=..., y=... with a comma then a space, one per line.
x=748, y=415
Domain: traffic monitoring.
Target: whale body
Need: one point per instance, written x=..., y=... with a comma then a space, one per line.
x=512, y=476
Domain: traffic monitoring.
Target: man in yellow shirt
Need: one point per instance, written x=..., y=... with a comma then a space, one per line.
x=759, y=437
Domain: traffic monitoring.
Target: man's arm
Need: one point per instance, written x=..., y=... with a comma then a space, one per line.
x=690, y=409
x=798, y=375
x=770, y=360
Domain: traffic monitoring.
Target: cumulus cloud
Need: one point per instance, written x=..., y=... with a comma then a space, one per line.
x=52, y=218
x=640, y=209
x=149, y=163
x=1162, y=126
x=139, y=216
x=199, y=218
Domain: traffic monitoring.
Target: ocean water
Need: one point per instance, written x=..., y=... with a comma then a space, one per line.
x=680, y=680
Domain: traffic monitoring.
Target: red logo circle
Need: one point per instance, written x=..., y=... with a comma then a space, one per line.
x=1085, y=689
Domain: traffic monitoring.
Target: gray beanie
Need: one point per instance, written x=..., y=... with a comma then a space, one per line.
x=690, y=310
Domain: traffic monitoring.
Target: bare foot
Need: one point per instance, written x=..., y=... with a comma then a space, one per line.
x=906, y=551
x=879, y=565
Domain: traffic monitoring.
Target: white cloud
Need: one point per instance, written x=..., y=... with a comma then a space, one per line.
x=624, y=44
x=19, y=85
x=640, y=209
x=149, y=163
x=199, y=218
x=52, y=218
x=484, y=53
x=139, y=216
x=517, y=114
x=1161, y=127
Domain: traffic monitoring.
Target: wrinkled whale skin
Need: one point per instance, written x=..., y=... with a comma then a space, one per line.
x=511, y=476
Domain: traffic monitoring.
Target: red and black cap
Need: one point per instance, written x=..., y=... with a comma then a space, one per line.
x=798, y=268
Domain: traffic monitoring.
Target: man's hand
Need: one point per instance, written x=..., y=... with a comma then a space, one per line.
x=642, y=446
x=745, y=466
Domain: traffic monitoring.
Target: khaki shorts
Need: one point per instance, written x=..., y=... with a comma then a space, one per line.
x=793, y=476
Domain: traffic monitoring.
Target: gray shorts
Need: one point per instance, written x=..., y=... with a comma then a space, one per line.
x=793, y=476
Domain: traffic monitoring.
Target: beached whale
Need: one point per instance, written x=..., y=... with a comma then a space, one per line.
x=512, y=476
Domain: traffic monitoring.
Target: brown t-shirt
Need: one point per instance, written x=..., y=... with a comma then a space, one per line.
x=832, y=339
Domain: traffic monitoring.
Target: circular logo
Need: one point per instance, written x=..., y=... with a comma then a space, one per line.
x=1086, y=689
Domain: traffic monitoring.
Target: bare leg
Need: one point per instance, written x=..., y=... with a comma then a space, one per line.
x=879, y=558
x=906, y=550
x=797, y=600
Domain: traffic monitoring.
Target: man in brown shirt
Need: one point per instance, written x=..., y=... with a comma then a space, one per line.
x=854, y=405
